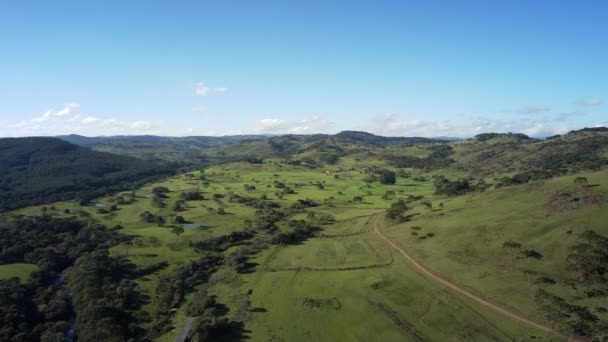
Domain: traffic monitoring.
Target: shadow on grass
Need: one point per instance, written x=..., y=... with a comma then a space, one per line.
x=236, y=332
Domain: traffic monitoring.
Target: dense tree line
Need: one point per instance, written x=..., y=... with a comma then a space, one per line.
x=488, y=136
x=102, y=297
x=528, y=176
x=589, y=261
x=574, y=154
x=437, y=159
x=298, y=231
x=105, y=298
x=172, y=288
x=443, y=186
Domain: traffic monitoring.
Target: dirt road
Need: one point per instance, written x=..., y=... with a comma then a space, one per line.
x=429, y=274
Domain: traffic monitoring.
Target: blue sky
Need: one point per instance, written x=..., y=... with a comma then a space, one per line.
x=428, y=68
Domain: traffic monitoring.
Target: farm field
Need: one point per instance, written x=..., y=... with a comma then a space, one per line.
x=345, y=282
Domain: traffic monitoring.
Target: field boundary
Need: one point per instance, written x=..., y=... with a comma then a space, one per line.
x=405, y=327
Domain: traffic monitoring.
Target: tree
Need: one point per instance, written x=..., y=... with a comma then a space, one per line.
x=147, y=216
x=191, y=196
x=574, y=318
x=177, y=231
x=387, y=177
x=179, y=220
x=428, y=205
x=311, y=217
x=358, y=199
x=157, y=201
x=444, y=186
x=397, y=211
x=179, y=205
x=581, y=181
x=160, y=190
x=160, y=221
x=389, y=195
x=531, y=253
x=590, y=258
x=554, y=308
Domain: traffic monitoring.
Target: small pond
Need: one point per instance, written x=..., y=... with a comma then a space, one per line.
x=194, y=225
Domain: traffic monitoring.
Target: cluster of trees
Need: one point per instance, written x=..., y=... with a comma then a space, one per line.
x=397, y=211
x=568, y=317
x=298, y=231
x=258, y=203
x=488, y=136
x=303, y=204
x=148, y=217
x=35, y=171
x=223, y=242
x=528, y=176
x=105, y=298
x=320, y=218
x=574, y=154
x=171, y=289
x=191, y=196
x=437, y=159
x=383, y=176
x=41, y=310
x=443, y=186
x=211, y=323
x=589, y=261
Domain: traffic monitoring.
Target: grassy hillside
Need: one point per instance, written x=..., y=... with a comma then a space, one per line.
x=282, y=248
x=178, y=150
x=43, y=170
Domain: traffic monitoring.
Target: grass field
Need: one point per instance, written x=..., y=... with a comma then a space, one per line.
x=21, y=271
x=346, y=283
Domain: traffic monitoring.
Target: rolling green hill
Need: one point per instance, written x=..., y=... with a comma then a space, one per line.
x=323, y=237
x=43, y=170
x=177, y=150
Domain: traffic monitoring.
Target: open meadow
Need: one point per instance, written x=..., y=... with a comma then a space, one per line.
x=345, y=282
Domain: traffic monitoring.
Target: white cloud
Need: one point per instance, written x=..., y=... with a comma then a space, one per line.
x=90, y=119
x=389, y=124
x=308, y=125
x=202, y=89
x=591, y=102
x=68, y=110
x=66, y=113
x=141, y=125
x=533, y=109
x=68, y=121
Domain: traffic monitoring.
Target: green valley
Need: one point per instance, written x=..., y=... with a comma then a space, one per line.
x=301, y=241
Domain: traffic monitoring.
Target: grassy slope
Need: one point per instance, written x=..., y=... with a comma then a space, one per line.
x=470, y=231
x=372, y=300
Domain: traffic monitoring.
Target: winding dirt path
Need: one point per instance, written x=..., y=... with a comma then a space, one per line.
x=429, y=274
